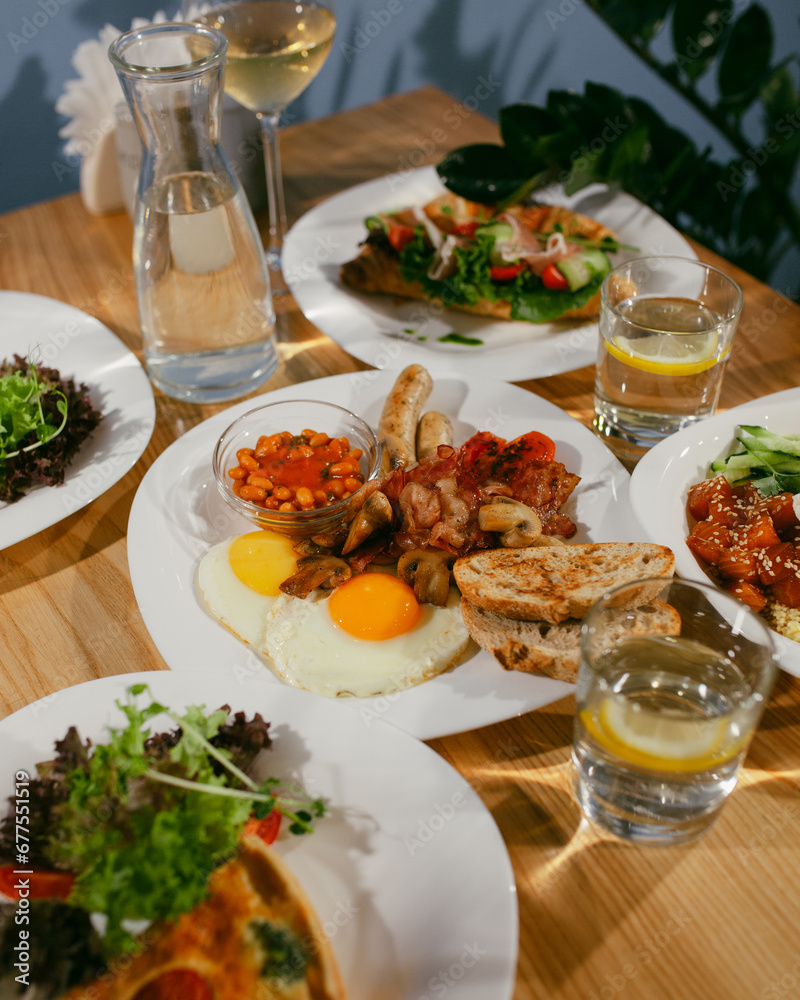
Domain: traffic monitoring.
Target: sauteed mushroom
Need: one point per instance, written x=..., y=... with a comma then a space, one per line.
x=428, y=572
x=376, y=513
x=516, y=524
x=316, y=571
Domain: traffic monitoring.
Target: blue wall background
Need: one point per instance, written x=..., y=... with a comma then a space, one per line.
x=523, y=47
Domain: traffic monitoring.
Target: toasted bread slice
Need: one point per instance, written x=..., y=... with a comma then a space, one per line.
x=554, y=650
x=550, y=584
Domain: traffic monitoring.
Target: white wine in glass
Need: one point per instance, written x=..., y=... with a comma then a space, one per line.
x=275, y=49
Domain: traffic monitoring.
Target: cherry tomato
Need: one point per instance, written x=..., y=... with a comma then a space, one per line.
x=267, y=829
x=400, y=236
x=529, y=447
x=481, y=444
x=553, y=279
x=466, y=228
x=185, y=984
x=41, y=885
x=507, y=272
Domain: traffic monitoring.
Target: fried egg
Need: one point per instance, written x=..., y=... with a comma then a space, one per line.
x=239, y=580
x=370, y=637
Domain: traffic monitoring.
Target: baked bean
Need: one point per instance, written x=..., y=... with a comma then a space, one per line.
x=340, y=469
x=255, y=480
x=296, y=472
x=252, y=493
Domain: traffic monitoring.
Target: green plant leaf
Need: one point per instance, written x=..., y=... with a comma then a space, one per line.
x=745, y=59
x=640, y=19
x=779, y=94
x=698, y=28
x=483, y=172
x=523, y=127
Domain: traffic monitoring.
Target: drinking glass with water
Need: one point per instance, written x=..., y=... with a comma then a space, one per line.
x=664, y=721
x=666, y=329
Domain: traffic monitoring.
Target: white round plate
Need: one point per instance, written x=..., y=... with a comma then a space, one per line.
x=408, y=872
x=177, y=515
x=373, y=327
x=661, y=481
x=79, y=346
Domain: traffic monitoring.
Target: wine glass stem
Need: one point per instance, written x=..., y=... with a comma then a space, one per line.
x=275, y=200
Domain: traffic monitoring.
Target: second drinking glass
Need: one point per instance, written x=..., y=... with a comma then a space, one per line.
x=666, y=328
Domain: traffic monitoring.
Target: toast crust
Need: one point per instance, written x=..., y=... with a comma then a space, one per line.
x=536, y=647
x=553, y=584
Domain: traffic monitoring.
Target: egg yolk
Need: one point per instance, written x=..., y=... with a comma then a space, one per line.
x=262, y=560
x=374, y=606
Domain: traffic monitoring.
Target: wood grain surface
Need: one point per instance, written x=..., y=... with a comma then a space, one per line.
x=598, y=918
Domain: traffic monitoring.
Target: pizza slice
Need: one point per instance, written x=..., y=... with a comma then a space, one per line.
x=537, y=263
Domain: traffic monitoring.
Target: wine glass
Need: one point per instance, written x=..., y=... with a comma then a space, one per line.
x=275, y=49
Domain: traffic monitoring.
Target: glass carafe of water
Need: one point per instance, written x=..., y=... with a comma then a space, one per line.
x=205, y=306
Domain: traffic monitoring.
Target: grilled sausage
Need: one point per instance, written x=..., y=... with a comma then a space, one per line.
x=433, y=429
x=402, y=409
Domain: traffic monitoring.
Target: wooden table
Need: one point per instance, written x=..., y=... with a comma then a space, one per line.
x=598, y=919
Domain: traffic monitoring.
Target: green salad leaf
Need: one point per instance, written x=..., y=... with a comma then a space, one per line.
x=527, y=296
x=22, y=415
x=147, y=819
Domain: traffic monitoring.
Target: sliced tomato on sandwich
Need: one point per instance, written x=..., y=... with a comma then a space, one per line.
x=553, y=279
x=37, y=885
x=507, y=272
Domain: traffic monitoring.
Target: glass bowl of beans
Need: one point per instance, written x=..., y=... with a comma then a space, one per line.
x=293, y=467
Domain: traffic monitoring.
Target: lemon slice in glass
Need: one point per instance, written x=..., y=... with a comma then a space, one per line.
x=661, y=741
x=667, y=353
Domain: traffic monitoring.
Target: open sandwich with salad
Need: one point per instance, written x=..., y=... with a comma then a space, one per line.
x=532, y=262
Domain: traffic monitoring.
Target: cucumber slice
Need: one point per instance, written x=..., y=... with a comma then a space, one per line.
x=582, y=267
x=376, y=222
x=737, y=463
x=500, y=233
x=774, y=442
x=777, y=460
